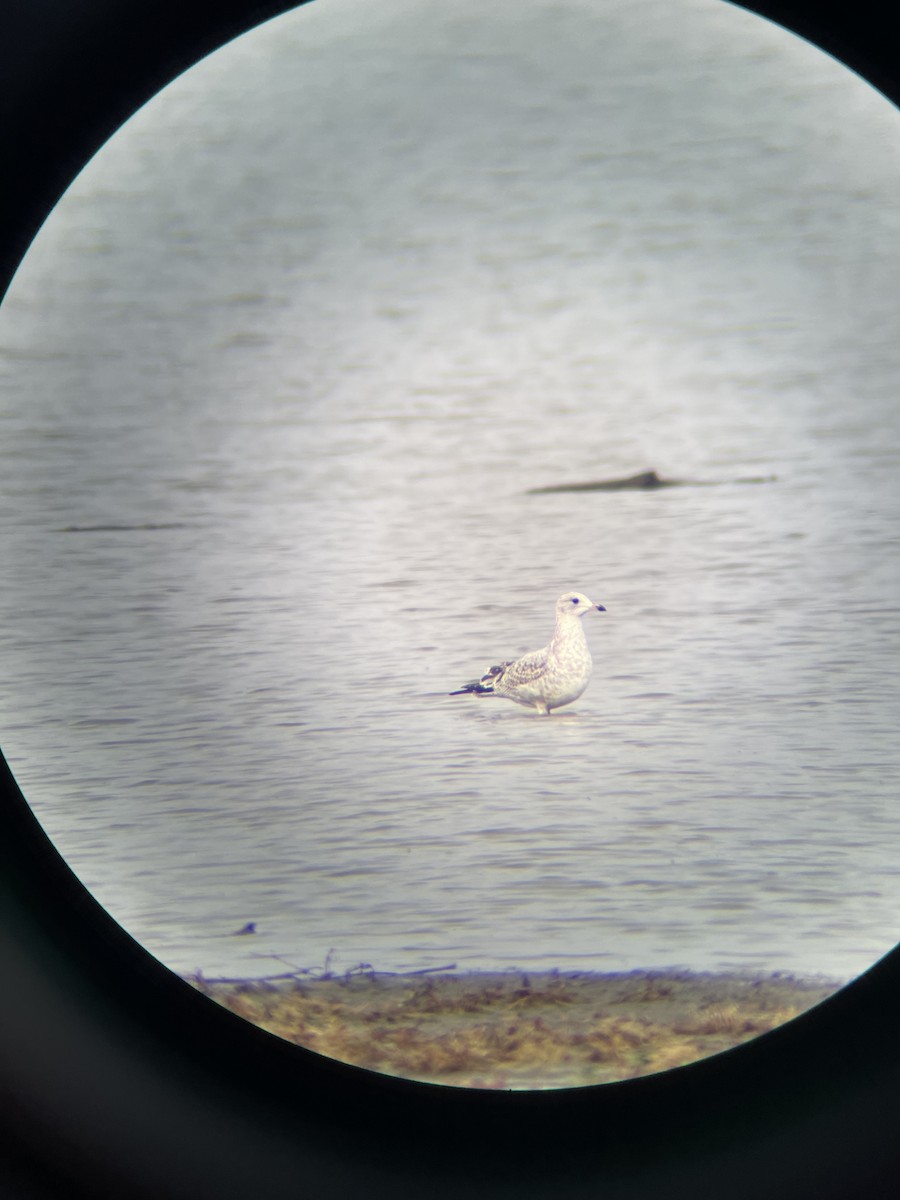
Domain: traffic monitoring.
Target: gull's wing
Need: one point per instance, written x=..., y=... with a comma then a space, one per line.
x=509, y=675
x=485, y=683
x=524, y=670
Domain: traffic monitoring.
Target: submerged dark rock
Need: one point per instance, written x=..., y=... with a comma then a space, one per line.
x=145, y=525
x=644, y=481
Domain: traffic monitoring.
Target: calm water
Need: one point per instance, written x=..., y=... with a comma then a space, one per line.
x=275, y=379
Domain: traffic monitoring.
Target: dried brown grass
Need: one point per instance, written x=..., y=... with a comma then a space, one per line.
x=514, y=1031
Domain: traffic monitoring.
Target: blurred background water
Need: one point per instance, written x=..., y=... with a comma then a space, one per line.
x=276, y=378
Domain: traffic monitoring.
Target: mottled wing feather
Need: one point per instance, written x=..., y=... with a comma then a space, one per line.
x=508, y=676
x=521, y=671
x=489, y=678
x=485, y=684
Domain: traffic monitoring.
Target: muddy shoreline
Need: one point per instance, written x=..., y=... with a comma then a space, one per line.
x=515, y=1029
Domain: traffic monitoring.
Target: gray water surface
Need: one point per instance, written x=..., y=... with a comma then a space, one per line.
x=276, y=378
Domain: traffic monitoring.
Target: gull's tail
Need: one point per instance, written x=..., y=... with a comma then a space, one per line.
x=483, y=686
x=476, y=687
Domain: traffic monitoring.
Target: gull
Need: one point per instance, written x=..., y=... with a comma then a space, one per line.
x=548, y=678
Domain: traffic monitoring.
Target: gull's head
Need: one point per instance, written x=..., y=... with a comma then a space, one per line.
x=576, y=604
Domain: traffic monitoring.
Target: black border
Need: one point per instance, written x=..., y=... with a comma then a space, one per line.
x=118, y=1080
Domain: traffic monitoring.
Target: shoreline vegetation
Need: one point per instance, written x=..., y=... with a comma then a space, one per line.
x=517, y=1029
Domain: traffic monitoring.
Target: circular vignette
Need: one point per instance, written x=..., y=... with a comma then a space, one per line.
x=124, y=1080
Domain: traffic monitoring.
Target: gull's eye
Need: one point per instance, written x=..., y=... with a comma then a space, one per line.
x=574, y=599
